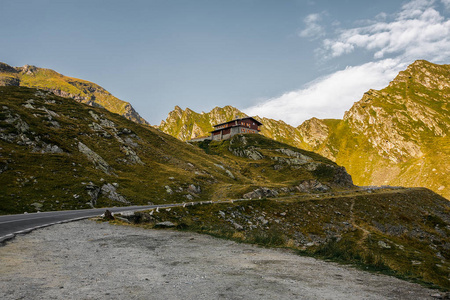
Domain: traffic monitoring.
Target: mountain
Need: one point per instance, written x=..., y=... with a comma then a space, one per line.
x=395, y=136
x=78, y=89
x=57, y=153
x=187, y=124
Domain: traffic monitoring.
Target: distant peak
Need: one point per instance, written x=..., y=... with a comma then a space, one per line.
x=7, y=68
x=29, y=69
x=420, y=62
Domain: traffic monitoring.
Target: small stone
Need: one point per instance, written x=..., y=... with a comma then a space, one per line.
x=383, y=245
x=168, y=190
x=165, y=224
x=237, y=226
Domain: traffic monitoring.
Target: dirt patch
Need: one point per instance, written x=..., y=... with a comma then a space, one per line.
x=89, y=260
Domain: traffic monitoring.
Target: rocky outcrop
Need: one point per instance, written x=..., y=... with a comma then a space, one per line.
x=9, y=81
x=312, y=185
x=110, y=191
x=131, y=156
x=93, y=191
x=342, y=178
x=262, y=192
x=96, y=159
x=249, y=152
x=314, y=132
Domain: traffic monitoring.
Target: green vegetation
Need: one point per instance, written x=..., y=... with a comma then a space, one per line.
x=43, y=167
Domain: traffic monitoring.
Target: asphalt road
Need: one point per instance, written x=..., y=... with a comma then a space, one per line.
x=10, y=225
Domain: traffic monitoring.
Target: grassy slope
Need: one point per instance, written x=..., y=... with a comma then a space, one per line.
x=49, y=79
x=58, y=180
x=53, y=179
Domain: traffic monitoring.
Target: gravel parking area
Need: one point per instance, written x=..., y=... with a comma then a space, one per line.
x=90, y=260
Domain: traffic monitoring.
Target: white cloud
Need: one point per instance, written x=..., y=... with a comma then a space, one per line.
x=312, y=29
x=331, y=96
x=418, y=31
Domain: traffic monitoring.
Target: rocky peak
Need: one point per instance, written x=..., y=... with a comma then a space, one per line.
x=6, y=68
x=414, y=105
x=28, y=69
x=429, y=75
x=172, y=118
x=313, y=131
x=178, y=109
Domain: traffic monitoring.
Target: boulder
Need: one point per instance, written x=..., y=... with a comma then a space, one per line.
x=342, y=178
x=194, y=189
x=312, y=185
x=93, y=191
x=108, y=216
x=109, y=191
x=98, y=161
x=261, y=193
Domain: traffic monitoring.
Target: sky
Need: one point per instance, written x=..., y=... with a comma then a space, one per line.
x=289, y=60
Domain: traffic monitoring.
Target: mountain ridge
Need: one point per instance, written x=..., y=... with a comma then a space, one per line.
x=81, y=90
x=395, y=136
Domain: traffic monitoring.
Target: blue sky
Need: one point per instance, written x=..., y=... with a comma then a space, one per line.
x=289, y=60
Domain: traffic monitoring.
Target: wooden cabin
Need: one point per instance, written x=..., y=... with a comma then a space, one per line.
x=228, y=129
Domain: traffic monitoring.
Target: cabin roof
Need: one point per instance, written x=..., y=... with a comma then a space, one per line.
x=240, y=119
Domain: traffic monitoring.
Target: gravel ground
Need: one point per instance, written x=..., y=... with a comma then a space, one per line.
x=89, y=260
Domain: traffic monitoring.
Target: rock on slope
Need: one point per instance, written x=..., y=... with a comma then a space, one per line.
x=80, y=90
x=395, y=136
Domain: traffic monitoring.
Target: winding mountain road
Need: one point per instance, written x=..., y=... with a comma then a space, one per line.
x=10, y=225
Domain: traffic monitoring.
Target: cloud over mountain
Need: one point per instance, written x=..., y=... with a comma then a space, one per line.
x=418, y=31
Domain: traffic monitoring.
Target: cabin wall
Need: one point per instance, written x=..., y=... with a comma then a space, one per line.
x=249, y=124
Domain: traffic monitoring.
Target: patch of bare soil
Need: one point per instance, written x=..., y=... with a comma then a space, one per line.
x=89, y=260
